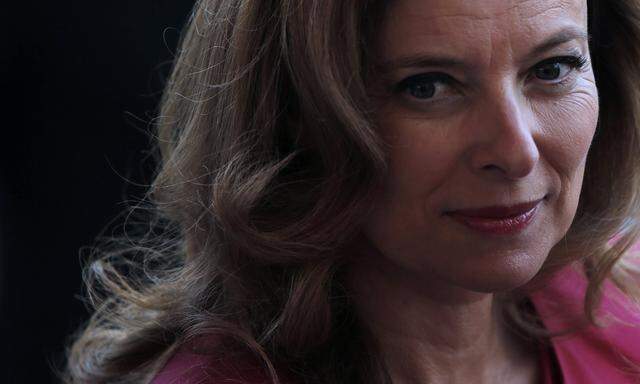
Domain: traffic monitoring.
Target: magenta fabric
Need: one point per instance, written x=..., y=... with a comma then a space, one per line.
x=593, y=355
x=188, y=366
x=546, y=371
x=607, y=354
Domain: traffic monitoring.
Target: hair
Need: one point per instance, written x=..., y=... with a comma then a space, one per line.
x=268, y=160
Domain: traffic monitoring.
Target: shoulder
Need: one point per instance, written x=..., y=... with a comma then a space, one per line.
x=609, y=351
x=202, y=362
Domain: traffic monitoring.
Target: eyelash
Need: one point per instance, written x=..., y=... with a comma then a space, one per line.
x=576, y=63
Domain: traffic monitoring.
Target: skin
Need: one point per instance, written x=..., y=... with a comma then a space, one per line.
x=498, y=135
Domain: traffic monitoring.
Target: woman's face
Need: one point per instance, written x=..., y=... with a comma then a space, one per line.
x=483, y=103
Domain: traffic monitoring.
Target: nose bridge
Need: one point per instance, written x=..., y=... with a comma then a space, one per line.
x=507, y=145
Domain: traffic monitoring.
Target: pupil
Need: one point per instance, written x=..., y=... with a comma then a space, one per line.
x=549, y=72
x=422, y=91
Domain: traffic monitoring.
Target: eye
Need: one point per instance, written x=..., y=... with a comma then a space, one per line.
x=425, y=85
x=557, y=68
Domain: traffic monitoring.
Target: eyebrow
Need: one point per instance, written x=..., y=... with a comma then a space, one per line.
x=563, y=36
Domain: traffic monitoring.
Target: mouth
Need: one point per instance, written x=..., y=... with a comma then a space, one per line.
x=498, y=220
x=497, y=211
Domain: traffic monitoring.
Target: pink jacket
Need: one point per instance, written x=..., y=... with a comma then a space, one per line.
x=609, y=354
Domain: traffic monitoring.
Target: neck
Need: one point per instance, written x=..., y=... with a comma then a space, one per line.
x=431, y=332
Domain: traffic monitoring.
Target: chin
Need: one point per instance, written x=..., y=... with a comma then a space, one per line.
x=508, y=273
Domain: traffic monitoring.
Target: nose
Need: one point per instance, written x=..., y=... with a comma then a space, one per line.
x=503, y=143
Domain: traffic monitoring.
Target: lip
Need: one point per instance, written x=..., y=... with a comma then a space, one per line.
x=499, y=220
x=497, y=211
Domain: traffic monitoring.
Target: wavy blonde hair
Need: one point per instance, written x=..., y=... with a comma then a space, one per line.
x=269, y=156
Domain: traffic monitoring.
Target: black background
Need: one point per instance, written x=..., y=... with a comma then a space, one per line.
x=80, y=84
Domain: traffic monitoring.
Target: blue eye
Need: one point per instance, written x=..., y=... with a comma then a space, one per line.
x=558, y=67
x=424, y=85
x=549, y=71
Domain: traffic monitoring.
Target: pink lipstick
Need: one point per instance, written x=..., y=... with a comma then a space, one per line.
x=498, y=220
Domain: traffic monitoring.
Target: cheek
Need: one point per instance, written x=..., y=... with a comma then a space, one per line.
x=421, y=154
x=421, y=158
x=568, y=125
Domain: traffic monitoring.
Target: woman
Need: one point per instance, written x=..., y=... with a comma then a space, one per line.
x=411, y=191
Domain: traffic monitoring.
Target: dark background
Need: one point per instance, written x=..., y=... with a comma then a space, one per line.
x=80, y=84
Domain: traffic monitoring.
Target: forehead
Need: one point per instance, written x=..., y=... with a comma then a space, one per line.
x=478, y=27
